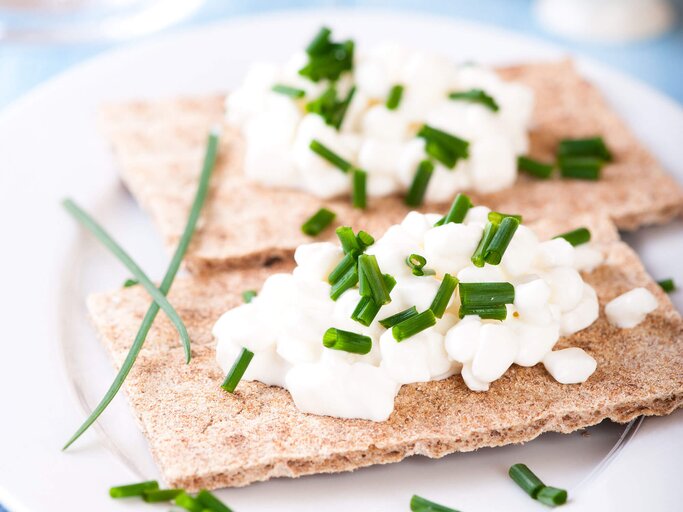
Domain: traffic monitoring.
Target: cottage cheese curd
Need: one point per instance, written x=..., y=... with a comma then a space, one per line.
x=278, y=130
x=284, y=325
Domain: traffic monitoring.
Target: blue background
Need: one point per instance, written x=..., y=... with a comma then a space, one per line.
x=658, y=62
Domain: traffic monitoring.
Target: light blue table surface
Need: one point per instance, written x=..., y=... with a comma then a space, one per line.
x=658, y=62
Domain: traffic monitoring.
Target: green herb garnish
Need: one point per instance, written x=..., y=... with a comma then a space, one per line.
x=413, y=325
x=534, y=167
x=418, y=504
x=333, y=158
x=211, y=502
x=443, y=295
x=371, y=280
x=444, y=147
x=366, y=310
x=317, y=222
x=576, y=237
x=187, y=502
x=248, y=295
x=581, y=167
x=327, y=60
x=161, y=495
x=418, y=187
x=484, y=312
x=533, y=486
x=399, y=317
x=346, y=341
x=131, y=490
x=286, y=90
x=394, y=98
x=590, y=147
x=668, y=285
x=359, y=198
x=500, y=241
x=331, y=108
x=237, y=371
x=478, y=258
x=130, y=282
x=476, y=96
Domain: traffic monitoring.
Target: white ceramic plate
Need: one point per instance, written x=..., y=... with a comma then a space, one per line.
x=51, y=365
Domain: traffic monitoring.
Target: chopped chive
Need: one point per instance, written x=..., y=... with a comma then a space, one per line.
x=120, y=254
x=480, y=252
x=476, y=96
x=348, y=280
x=286, y=90
x=248, y=295
x=443, y=295
x=667, y=285
x=552, y=496
x=486, y=294
x=418, y=187
x=348, y=239
x=347, y=263
x=317, y=223
x=526, y=479
x=329, y=107
x=324, y=152
x=497, y=217
x=416, y=262
x=366, y=309
x=399, y=317
x=576, y=237
x=484, y=312
x=159, y=495
x=419, y=504
x=148, y=320
x=359, y=185
x=590, y=147
x=211, y=502
x=346, y=341
x=413, y=325
x=580, y=167
x=340, y=111
x=395, y=95
x=130, y=282
x=237, y=371
x=534, y=167
x=459, y=208
x=187, y=502
x=440, y=154
x=444, y=147
x=130, y=490
x=371, y=279
x=500, y=241
x=320, y=43
x=364, y=239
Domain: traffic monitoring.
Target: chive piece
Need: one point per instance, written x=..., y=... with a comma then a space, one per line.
x=459, y=208
x=486, y=294
x=591, y=147
x=371, y=276
x=317, y=222
x=348, y=280
x=326, y=59
x=159, y=495
x=367, y=309
x=476, y=96
x=418, y=187
x=340, y=111
x=286, y=90
x=668, y=285
x=413, y=325
x=329, y=107
x=486, y=237
x=347, y=263
x=346, y=341
x=395, y=95
x=237, y=371
x=497, y=217
x=399, y=317
x=211, y=502
x=320, y=43
x=187, y=502
x=248, y=295
x=444, y=147
x=500, y=241
x=130, y=282
x=419, y=504
x=526, y=479
x=443, y=295
x=417, y=263
x=484, y=312
x=130, y=490
x=364, y=239
x=359, y=185
x=581, y=168
x=348, y=239
x=552, y=496
x=576, y=237
x=120, y=254
x=534, y=167
x=324, y=152
x=200, y=196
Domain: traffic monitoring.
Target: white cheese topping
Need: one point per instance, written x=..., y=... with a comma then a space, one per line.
x=630, y=308
x=284, y=325
x=278, y=130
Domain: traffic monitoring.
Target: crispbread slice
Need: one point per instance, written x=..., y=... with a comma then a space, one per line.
x=159, y=146
x=201, y=436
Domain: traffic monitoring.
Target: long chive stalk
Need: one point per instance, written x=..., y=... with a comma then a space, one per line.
x=173, y=267
x=91, y=225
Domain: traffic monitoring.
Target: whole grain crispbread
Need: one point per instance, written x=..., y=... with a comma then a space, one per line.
x=159, y=147
x=202, y=436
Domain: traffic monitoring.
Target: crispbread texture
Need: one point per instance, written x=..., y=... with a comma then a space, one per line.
x=159, y=147
x=202, y=436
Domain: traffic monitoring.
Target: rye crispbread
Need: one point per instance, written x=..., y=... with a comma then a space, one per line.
x=202, y=436
x=159, y=147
